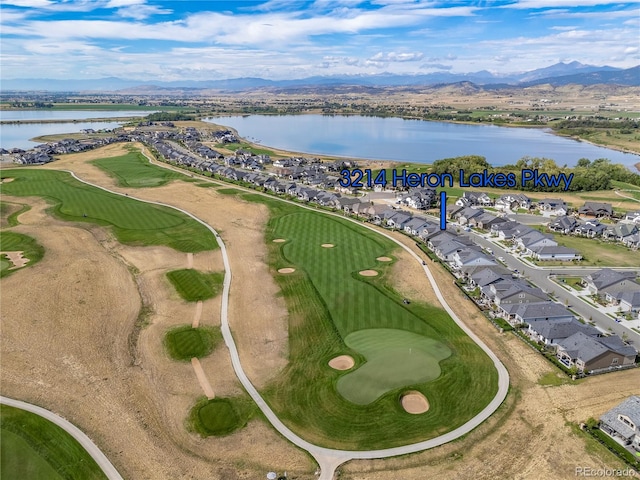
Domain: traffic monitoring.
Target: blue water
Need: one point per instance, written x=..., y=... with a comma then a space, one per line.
x=420, y=141
x=16, y=135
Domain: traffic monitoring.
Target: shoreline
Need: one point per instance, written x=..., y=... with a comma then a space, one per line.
x=283, y=152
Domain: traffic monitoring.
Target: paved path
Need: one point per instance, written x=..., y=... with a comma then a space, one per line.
x=91, y=448
x=329, y=459
x=617, y=192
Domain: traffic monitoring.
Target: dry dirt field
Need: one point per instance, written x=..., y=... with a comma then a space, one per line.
x=65, y=346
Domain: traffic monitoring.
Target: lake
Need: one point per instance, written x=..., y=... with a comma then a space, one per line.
x=16, y=135
x=378, y=138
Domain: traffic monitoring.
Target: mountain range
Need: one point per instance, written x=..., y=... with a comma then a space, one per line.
x=555, y=75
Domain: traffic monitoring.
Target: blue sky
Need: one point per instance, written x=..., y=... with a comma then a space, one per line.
x=285, y=39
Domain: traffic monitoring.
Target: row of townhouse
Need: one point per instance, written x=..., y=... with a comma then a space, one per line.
x=548, y=323
x=625, y=231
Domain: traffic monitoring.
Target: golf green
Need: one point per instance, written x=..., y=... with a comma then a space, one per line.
x=395, y=358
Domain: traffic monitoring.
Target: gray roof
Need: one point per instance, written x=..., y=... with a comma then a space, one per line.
x=517, y=288
x=537, y=310
x=630, y=408
x=632, y=298
x=587, y=348
x=486, y=276
x=606, y=277
x=555, y=250
x=561, y=329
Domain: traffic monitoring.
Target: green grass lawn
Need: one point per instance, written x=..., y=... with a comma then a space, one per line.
x=596, y=252
x=185, y=342
x=32, y=448
x=9, y=213
x=220, y=416
x=193, y=285
x=133, y=222
x=573, y=282
x=328, y=302
x=134, y=170
x=395, y=358
x=12, y=242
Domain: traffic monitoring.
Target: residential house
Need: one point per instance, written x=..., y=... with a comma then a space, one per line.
x=513, y=201
x=398, y=220
x=557, y=253
x=608, y=283
x=629, y=301
x=470, y=199
x=534, y=239
x=587, y=353
x=633, y=241
x=622, y=423
x=595, y=210
x=563, y=224
x=485, y=221
x=552, y=207
x=416, y=225
x=553, y=330
x=632, y=217
x=620, y=231
x=513, y=291
x=590, y=228
x=470, y=256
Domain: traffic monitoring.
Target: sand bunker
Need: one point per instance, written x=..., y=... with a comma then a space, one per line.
x=384, y=259
x=368, y=273
x=327, y=245
x=16, y=258
x=414, y=402
x=7, y=180
x=279, y=240
x=343, y=362
x=286, y=270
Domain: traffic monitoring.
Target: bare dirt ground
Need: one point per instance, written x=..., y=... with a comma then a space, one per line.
x=74, y=359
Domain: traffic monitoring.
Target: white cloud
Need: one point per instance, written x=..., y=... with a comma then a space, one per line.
x=539, y=4
x=140, y=12
x=397, y=57
x=28, y=3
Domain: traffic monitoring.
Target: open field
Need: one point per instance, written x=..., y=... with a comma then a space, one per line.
x=327, y=302
x=11, y=242
x=132, y=222
x=134, y=170
x=35, y=449
x=193, y=285
x=595, y=251
x=184, y=342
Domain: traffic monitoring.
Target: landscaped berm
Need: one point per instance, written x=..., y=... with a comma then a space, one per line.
x=366, y=370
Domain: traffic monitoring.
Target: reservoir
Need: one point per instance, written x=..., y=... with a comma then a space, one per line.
x=378, y=138
x=19, y=135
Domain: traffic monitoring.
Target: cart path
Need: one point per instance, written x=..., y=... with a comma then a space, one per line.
x=91, y=448
x=202, y=378
x=329, y=459
x=196, y=317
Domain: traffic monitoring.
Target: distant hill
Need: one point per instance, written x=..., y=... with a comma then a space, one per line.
x=555, y=75
x=629, y=77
